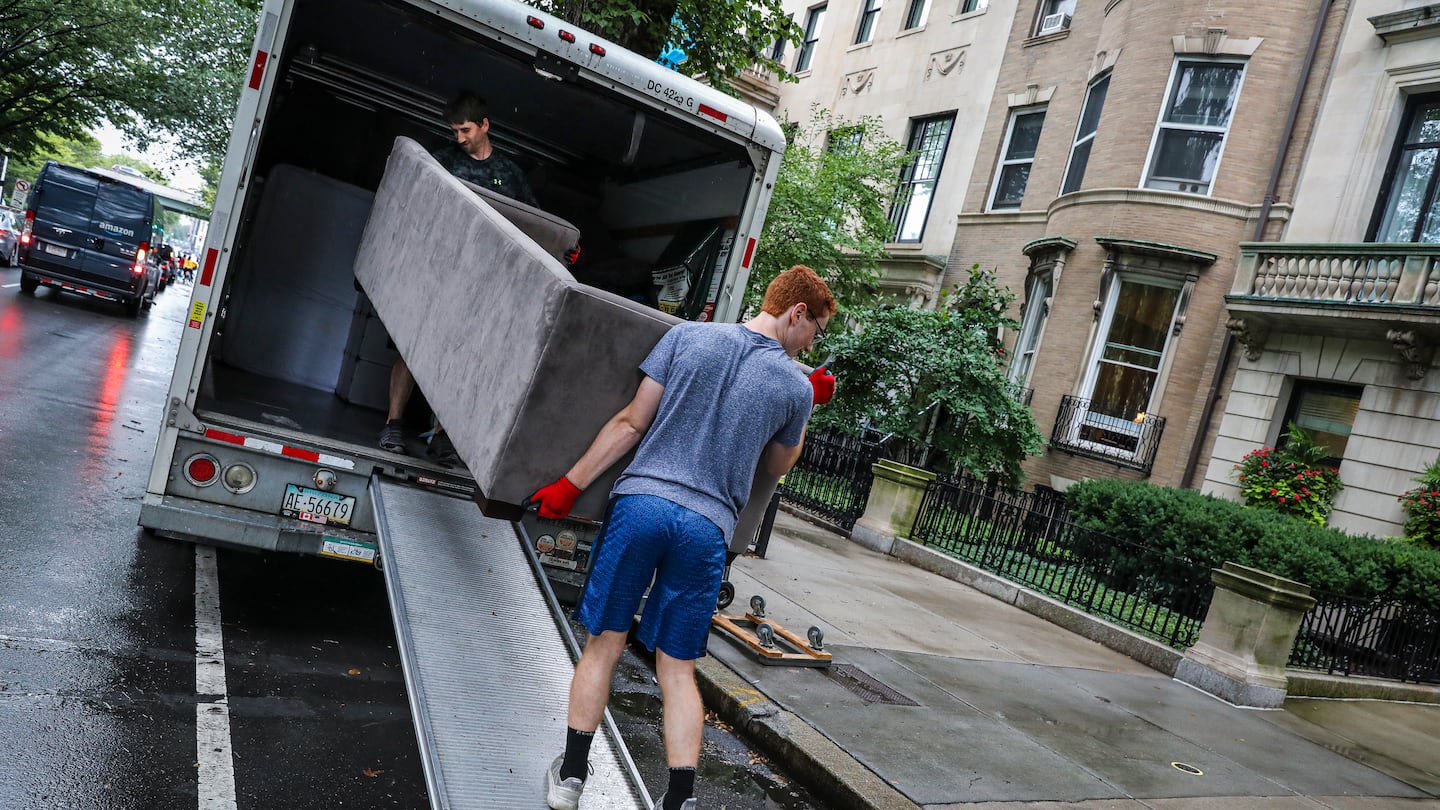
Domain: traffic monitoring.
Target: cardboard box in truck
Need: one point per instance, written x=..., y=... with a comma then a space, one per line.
x=270, y=435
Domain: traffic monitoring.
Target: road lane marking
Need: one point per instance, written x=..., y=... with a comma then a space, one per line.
x=216, y=765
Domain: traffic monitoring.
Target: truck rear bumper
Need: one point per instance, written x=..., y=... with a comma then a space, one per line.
x=215, y=524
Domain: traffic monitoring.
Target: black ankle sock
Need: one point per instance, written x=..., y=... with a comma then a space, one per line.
x=577, y=752
x=682, y=787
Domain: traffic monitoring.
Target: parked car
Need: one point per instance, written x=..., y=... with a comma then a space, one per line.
x=10, y=221
x=91, y=234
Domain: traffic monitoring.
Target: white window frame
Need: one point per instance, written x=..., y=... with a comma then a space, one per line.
x=1052, y=7
x=814, y=22
x=911, y=9
x=1032, y=328
x=869, y=18
x=1160, y=124
x=1082, y=138
x=1096, y=356
x=908, y=183
x=1003, y=163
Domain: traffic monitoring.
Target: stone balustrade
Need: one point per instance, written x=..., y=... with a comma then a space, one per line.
x=1373, y=273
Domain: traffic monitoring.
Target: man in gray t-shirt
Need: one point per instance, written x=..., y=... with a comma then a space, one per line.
x=717, y=401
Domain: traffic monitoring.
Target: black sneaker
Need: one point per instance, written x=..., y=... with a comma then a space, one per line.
x=442, y=451
x=392, y=438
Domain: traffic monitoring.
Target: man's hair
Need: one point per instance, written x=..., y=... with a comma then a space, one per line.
x=799, y=285
x=466, y=107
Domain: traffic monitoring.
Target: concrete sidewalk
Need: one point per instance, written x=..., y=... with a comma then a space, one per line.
x=949, y=698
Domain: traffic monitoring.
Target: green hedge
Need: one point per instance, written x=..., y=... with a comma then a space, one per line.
x=1210, y=531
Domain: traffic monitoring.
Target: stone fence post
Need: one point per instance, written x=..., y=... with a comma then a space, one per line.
x=894, y=502
x=1247, y=636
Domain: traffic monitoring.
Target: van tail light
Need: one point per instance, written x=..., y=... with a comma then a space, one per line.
x=27, y=228
x=202, y=469
x=140, y=253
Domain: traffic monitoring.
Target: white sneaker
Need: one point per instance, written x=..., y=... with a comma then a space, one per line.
x=689, y=804
x=562, y=794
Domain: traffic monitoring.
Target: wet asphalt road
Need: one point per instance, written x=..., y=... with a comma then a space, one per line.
x=98, y=698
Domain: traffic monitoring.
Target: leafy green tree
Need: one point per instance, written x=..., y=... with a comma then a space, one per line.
x=83, y=151
x=830, y=208
x=166, y=70
x=935, y=378
x=720, y=38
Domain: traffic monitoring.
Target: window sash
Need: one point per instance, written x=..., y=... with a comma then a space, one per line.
x=1124, y=369
x=1012, y=175
x=1327, y=412
x=866, y=29
x=916, y=14
x=813, y=21
x=1411, y=206
x=1030, y=328
x=929, y=138
x=1190, y=135
x=1085, y=134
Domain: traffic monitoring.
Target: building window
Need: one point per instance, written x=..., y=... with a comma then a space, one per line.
x=1054, y=16
x=866, y=28
x=1085, y=135
x=813, y=19
x=917, y=12
x=1021, y=137
x=928, y=139
x=1121, y=378
x=1326, y=411
x=1037, y=309
x=967, y=6
x=1191, y=133
x=777, y=51
x=1410, y=209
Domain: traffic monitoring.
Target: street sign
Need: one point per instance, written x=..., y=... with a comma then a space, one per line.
x=22, y=186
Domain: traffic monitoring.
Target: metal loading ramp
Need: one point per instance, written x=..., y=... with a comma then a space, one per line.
x=487, y=664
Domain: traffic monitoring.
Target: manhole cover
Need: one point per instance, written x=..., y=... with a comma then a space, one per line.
x=865, y=687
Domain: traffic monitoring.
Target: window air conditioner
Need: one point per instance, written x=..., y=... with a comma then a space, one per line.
x=1051, y=23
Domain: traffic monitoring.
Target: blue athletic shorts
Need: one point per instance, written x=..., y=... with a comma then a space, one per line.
x=683, y=550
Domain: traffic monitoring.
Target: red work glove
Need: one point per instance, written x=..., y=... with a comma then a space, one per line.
x=557, y=499
x=824, y=384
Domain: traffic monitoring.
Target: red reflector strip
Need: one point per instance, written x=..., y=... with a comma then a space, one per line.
x=535, y=22
x=568, y=37
x=596, y=49
x=257, y=71
x=706, y=109
x=749, y=252
x=280, y=449
x=208, y=273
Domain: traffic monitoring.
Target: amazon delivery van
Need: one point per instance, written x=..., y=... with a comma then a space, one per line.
x=269, y=438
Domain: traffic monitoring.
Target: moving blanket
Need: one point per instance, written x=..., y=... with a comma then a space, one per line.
x=521, y=363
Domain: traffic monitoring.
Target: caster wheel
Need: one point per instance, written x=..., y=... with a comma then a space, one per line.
x=766, y=634
x=727, y=595
x=817, y=638
x=757, y=606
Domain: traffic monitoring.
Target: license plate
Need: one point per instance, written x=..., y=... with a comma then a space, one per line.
x=58, y=251
x=316, y=506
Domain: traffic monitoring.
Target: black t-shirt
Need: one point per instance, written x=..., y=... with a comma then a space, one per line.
x=496, y=173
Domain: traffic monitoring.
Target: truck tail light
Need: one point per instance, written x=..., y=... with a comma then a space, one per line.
x=202, y=469
x=239, y=478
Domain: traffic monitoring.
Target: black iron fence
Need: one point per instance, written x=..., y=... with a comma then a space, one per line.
x=832, y=478
x=1028, y=538
x=1129, y=440
x=1380, y=638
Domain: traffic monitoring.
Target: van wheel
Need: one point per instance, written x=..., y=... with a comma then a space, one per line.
x=132, y=307
x=28, y=283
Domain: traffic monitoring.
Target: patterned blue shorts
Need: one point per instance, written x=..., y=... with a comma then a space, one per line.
x=683, y=550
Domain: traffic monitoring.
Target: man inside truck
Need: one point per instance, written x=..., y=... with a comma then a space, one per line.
x=472, y=158
x=716, y=402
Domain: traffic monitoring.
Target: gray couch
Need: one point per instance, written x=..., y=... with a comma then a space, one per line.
x=521, y=363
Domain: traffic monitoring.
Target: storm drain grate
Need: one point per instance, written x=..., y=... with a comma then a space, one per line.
x=865, y=687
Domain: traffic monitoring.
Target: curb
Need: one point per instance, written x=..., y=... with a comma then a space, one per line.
x=823, y=767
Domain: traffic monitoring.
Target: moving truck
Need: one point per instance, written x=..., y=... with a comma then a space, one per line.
x=337, y=240
x=269, y=438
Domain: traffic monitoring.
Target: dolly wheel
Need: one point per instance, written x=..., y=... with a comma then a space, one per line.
x=817, y=638
x=757, y=606
x=727, y=595
x=766, y=634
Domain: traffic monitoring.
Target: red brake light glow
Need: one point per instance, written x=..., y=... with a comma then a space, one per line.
x=139, y=266
x=202, y=469
x=567, y=36
x=535, y=22
x=596, y=49
x=27, y=227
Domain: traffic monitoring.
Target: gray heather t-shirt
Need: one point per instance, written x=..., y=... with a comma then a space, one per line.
x=728, y=393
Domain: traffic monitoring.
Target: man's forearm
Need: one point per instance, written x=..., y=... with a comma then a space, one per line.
x=617, y=438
